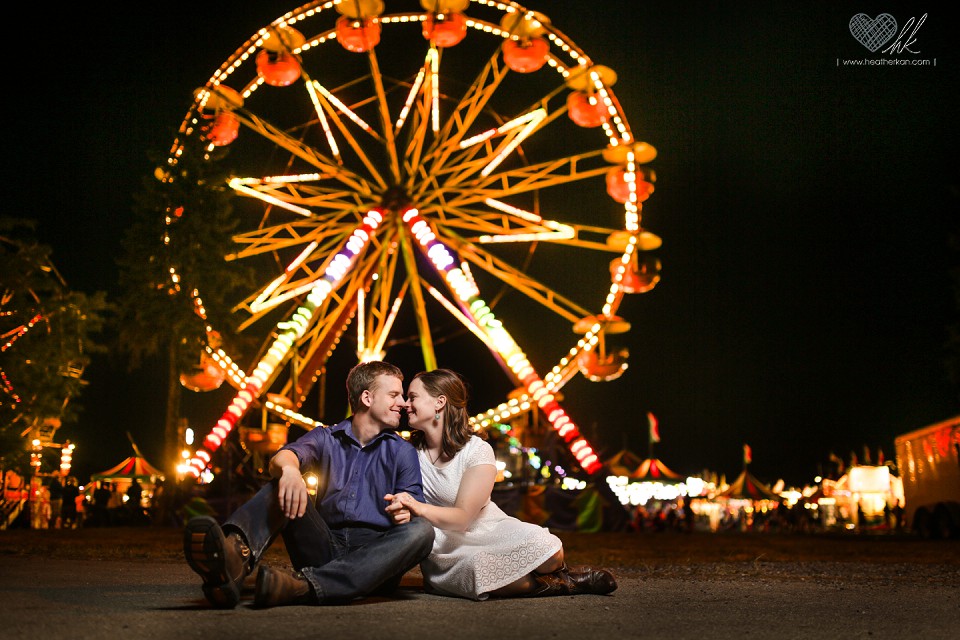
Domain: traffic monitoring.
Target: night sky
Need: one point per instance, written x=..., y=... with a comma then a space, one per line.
x=804, y=207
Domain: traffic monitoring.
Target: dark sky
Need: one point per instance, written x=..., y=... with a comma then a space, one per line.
x=804, y=207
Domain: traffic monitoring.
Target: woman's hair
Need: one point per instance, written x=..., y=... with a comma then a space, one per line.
x=364, y=376
x=456, y=428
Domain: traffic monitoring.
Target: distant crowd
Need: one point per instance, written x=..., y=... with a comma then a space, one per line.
x=61, y=503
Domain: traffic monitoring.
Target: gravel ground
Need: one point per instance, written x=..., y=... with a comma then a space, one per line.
x=720, y=556
x=133, y=582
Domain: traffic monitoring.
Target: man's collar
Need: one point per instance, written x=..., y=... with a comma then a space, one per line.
x=345, y=427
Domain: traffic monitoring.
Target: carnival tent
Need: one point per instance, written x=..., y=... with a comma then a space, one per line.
x=133, y=467
x=628, y=464
x=623, y=463
x=653, y=470
x=747, y=487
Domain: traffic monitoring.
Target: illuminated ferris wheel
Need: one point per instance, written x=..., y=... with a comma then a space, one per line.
x=462, y=163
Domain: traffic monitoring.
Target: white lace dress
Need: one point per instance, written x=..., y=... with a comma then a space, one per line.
x=496, y=550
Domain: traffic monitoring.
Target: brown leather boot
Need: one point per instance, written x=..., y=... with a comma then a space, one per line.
x=589, y=580
x=569, y=582
x=222, y=561
x=557, y=583
x=278, y=588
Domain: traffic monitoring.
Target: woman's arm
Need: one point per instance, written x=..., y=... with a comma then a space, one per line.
x=476, y=485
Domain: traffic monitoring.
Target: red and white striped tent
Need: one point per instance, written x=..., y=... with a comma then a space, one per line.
x=653, y=470
x=626, y=463
x=747, y=487
x=135, y=466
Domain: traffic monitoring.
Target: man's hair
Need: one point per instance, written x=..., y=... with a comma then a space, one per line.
x=364, y=376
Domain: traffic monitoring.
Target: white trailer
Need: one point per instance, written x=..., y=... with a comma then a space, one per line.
x=929, y=463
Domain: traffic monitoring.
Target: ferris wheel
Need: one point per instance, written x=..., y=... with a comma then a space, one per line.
x=461, y=163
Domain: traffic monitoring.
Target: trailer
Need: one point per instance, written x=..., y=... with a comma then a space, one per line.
x=929, y=464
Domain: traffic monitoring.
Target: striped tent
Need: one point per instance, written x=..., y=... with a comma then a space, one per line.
x=628, y=464
x=653, y=470
x=747, y=487
x=136, y=466
x=623, y=463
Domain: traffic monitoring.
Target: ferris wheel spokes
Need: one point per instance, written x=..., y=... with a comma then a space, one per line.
x=303, y=151
x=474, y=307
x=289, y=334
x=403, y=131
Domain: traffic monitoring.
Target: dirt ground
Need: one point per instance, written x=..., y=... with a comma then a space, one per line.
x=101, y=583
x=627, y=552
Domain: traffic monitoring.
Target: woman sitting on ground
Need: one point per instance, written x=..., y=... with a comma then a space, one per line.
x=478, y=551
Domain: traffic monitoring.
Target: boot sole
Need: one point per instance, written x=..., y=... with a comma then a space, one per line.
x=204, y=548
x=261, y=594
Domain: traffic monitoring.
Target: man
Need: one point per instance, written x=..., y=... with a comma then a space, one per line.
x=345, y=546
x=101, y=504
x=56, y=502
x=69, y=511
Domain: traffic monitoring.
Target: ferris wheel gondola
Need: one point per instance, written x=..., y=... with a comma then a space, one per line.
x=378, y=181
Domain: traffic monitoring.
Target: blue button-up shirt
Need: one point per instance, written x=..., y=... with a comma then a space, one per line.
x=354, y=479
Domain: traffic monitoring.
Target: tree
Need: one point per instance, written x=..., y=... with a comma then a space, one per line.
x=47, y=338
x=182, y=229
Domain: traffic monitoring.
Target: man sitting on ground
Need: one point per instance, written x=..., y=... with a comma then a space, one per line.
x=345, y=546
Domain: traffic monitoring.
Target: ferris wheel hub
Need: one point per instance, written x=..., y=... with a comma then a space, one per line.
x=395, y=198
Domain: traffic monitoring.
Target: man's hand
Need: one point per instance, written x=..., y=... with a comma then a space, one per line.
x=399, y=507
x=292, y=491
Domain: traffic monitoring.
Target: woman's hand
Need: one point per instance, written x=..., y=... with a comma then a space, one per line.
x=402, y=506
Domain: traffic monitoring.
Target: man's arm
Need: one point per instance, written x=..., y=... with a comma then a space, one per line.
x=292, y=491
x=408, y=478
x=408, y=482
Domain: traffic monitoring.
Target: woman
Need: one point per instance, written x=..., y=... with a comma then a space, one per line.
x=478, y=551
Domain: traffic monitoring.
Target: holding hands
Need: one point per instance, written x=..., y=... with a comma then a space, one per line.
x=402, y=506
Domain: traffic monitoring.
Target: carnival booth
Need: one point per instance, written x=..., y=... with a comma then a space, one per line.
x=743, y=503
x=638, y=481
x=652, y=494
x=861, y=496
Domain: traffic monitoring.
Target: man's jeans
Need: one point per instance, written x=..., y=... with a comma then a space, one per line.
x=340, y=564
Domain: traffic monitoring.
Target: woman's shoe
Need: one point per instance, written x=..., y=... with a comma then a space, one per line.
x=590, y=580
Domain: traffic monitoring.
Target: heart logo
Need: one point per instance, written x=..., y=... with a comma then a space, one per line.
x=873, y=33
